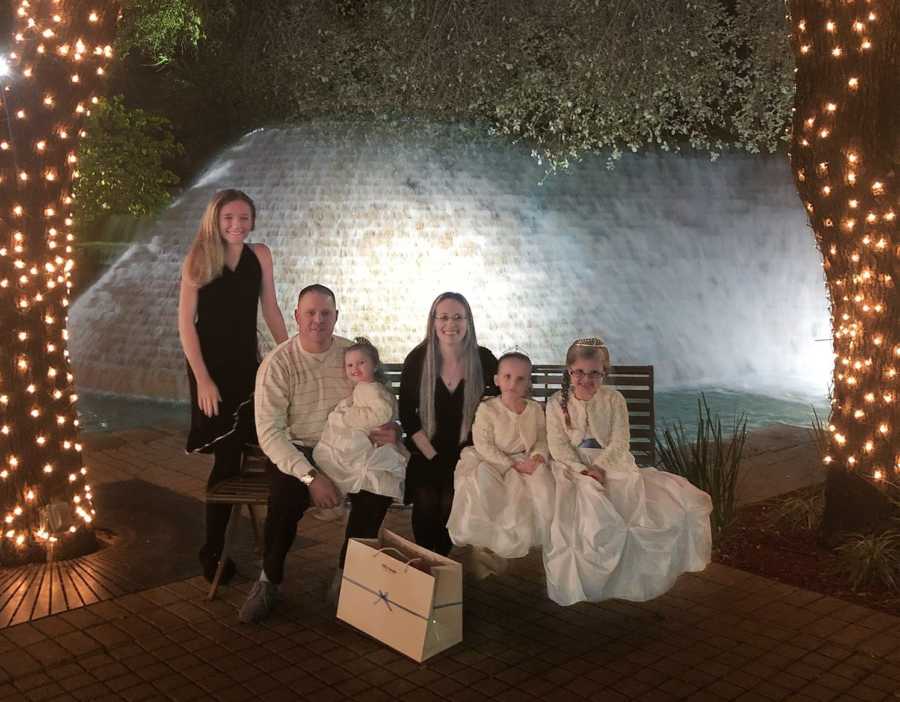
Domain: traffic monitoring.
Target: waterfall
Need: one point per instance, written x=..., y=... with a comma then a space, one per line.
x=707, y=270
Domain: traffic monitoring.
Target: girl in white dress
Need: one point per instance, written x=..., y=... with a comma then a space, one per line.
x=344, y=452
x=618, y=531
x=503, y=496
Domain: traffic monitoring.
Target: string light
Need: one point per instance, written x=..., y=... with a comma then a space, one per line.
x=50, y=102
x=845, y=191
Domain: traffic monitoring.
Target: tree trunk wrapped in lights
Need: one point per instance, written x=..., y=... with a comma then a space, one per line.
x=58, y=56
x=844, y=159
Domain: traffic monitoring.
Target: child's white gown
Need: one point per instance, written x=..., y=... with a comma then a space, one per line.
x=630, y=540
x=495, y=506
x=347, y=456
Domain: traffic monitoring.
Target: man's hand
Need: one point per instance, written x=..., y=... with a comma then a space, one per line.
x=385, y=434
x=323, y=492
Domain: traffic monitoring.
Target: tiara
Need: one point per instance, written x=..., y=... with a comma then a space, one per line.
x=591, y=342
x=516, y=349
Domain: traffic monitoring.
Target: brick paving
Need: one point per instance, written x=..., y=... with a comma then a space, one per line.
x=719, y=635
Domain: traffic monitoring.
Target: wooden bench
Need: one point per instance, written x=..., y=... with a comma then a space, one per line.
x=634, y=382
x=251, y=488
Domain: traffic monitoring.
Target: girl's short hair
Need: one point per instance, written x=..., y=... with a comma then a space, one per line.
x=514, y=355
x=362, y=344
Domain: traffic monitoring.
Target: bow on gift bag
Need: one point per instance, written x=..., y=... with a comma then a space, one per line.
x=405, y=596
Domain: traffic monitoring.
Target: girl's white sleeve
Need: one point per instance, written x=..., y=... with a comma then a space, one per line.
x=372, y=407
x=558, y=441
x=618, y=447
x=483, y=437
x=540, y=445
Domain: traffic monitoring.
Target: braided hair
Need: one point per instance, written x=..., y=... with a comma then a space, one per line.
x=362, y=344
x=591, y=347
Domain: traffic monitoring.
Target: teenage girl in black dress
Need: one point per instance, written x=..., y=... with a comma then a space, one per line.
x=222, y=282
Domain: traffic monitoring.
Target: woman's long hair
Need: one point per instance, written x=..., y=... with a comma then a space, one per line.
x=592, y=347
x=206, y=257
x=473, y=374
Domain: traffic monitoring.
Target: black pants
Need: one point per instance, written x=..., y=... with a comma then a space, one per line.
x=289, y=499
x=431, y=510
x=229, y=454
x=367, y=512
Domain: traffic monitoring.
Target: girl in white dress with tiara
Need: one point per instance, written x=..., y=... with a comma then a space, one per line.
x=344, y=452
x=503, y=486
x=618, y=531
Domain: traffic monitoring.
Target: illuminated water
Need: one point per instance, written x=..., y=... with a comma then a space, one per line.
x=104, y=413
x=707, y=271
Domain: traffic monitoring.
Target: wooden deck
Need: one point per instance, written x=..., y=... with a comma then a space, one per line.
x=40, y=589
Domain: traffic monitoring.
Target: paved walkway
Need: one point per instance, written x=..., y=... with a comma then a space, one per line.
x=719, y=635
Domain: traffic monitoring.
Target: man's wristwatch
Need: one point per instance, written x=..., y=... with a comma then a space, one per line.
x=309, y=477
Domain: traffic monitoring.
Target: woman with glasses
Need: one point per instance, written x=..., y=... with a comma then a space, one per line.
x=618, y=531
x=441, y=384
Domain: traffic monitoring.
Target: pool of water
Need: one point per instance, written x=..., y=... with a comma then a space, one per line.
x=107, y=413
x=673, y=406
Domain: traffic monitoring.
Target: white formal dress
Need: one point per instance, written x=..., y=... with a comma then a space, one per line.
x=347, y=456
x=495, y=506
x=630, y=539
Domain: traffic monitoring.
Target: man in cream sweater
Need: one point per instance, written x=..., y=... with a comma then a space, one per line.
x=297, y=386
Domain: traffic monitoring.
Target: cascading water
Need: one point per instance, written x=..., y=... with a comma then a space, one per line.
x=706, y=270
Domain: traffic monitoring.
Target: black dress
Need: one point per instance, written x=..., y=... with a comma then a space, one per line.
x=448, y=409
x=226, y=325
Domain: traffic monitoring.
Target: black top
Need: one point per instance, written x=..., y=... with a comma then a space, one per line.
x=448, y=408
x=226, y=324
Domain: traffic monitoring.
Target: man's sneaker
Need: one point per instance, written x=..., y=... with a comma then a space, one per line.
x=259, y=602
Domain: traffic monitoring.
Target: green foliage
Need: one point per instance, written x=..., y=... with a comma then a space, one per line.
x=870, y=559
x=819, y=434
x=122, y=162
x=802, y=511
x=568, y=78
x=711, y=461
x=159, y=29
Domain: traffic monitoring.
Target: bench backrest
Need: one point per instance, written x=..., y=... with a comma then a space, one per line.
x=634, y=382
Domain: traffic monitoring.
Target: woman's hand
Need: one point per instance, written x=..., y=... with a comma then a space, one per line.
x=596, y=473
x=208, y=397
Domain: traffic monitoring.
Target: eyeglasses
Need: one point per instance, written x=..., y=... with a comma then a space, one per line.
x=579, y=374
x=444, y=318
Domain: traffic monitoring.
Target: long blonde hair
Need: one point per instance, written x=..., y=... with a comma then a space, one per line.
x=473, y=374
x=206, y=257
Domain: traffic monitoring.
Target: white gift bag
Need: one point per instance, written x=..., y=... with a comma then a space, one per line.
x=385, y=595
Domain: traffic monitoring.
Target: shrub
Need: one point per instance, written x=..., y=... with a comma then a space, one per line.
x=870, y=559
x=122, y=163
x=800, y=511
x=711, y=461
